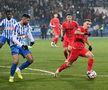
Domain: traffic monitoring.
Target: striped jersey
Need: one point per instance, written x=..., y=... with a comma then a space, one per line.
x=8, y=26
x=21, y=34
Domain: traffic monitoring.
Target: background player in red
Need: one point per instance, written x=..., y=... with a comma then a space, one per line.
x=55, y=24
x=67, y=34
x=79, y=49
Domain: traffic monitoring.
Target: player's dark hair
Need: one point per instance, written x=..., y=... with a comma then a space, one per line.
x=68, y=14
x=89, y=20
x=55, y=13
x=26, y=15
x=8, y=11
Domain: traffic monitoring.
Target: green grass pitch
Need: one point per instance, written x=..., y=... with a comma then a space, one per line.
x=48, y=58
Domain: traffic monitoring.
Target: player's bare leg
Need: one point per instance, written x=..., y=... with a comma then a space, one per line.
x=69, y=48
x=55, y=41
x=67, y=64
x=66, y=52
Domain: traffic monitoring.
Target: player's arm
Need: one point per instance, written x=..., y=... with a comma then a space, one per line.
x=30, y=36
x=89, y=44
x=63, y=31
x=78, y=32
x=62, y=34
x=76, y=26
x=15, y=21
x=14, y=37
x=51, y=24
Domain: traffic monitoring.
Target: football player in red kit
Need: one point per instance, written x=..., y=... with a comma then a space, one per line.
x=67, y=34
x=78, y=49
x=55, y=24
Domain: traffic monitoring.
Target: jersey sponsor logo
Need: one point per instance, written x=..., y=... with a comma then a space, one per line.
x=9, y=28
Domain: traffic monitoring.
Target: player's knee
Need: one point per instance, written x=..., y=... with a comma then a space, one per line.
x=90, y=56
x=30, y=60
x=16, y=61
x=69, y=48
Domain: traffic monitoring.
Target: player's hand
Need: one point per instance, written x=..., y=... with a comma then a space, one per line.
x=90, y=48
x=25, y=47
x=62, y=38
x=31, y=43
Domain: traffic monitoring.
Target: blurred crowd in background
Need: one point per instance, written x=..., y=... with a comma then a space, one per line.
x=41, y=12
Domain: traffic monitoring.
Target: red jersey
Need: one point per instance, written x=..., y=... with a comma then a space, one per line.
x=70, y=28
x=79, y=40
x=55, y=22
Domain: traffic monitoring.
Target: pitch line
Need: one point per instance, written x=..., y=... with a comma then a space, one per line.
x=49, y=72
x=73, y=75
x=27, y=73
x=44, y=71
x=31, y=69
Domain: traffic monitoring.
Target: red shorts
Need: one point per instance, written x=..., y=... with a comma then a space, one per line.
x=75, y=53
x=67, y=42
x=56, y=32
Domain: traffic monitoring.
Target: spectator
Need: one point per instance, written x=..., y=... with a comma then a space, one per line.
x=44, y=31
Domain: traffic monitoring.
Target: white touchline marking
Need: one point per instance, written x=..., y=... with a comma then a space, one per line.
x=5, y=66
x=49, y=72
x=44, y=71
x=26, y=73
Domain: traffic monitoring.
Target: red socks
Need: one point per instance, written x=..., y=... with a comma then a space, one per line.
x=62, y=67
x=90, y=64
x=55, y=40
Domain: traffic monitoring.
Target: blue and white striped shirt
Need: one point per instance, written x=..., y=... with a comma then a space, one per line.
x=21, y=34
x=8, y=26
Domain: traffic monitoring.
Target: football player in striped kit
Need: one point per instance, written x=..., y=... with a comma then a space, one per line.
x=8, y=24
x=19, y=46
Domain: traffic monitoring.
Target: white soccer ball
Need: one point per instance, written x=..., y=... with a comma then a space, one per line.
x=91, y=75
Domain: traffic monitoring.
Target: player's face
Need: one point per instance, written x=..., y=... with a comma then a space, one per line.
x=56, y=15
x=87, y=24
x=9, y=15
x=69, y=18
x=26, y=21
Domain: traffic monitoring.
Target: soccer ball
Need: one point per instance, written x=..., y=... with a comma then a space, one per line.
x=91, y=75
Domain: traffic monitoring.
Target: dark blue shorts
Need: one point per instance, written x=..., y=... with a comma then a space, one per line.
x=3, y=40
x=19, y=50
